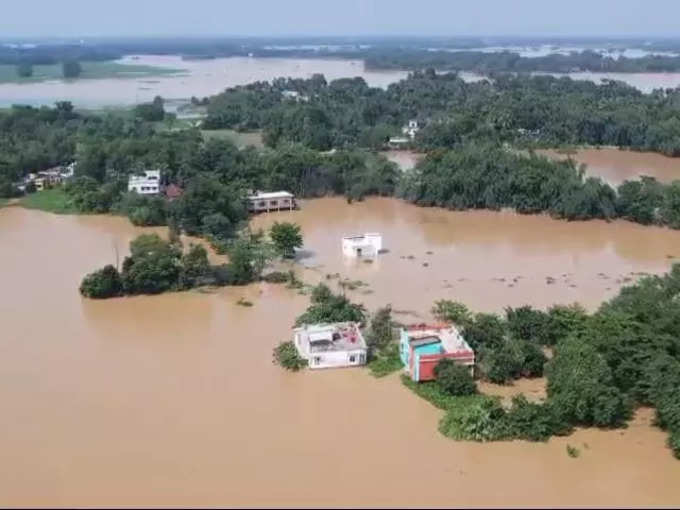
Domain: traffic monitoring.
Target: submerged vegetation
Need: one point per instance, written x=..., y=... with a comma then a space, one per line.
x=605, y=364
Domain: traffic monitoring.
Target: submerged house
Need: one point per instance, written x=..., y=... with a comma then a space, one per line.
x=148, y=183
x=340, y=344
x=367, y=245
x=422, y=346
x=273, y=201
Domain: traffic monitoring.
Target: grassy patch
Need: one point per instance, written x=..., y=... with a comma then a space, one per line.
x=3, y=202
x=386, y=362
x=53, y=200
x=91, y=70
x=438, y=398
x=253, y=138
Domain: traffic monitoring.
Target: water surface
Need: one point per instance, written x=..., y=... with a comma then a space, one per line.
x=172, y=400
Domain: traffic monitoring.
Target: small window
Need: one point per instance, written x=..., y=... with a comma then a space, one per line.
x=273, y=202
x=316, y=360
x=362, y=358
x=261, y=204
x=352, y=358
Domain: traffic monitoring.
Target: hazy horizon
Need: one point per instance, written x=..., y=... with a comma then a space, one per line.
x=350, y=18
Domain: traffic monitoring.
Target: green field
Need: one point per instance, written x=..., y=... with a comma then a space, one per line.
x=3, y=202
x=240, y=139
x=91, y=70
x=51, y=200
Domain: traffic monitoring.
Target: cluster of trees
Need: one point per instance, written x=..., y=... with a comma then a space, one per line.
x=151, y=112
x=153, y=266
x=504, y=349
x=605, y=364
x=329, y=307
x=519, y=109
x=156, y=265
x=492, y=177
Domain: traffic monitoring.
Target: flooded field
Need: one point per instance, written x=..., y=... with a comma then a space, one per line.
x=202, y=78
x=616, y=166
x=199, y=78
x=173, y=400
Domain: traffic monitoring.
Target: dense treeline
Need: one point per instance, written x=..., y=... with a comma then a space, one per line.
x=492, y=177
x=523, y=110
x=627, y=354
x=508, y=61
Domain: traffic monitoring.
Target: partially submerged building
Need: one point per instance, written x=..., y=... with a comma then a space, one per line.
x=272, y=201
x=366, y=245
x=340, y=344
x=422, y=346
x=147, y=183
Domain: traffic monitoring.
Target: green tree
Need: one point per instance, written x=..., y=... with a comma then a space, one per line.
x=454, y=379
x=153, y=266
x=452, y=311
x=101, y=284
x=380, y=332
x=286, y=237
x=328, y=307
x=285, y=355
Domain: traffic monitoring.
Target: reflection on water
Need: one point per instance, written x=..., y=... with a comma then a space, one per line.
x=172, y=400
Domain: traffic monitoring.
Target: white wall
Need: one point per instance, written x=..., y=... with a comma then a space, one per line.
x=334, y=359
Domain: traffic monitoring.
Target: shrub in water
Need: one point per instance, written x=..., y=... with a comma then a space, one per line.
x=286, y=356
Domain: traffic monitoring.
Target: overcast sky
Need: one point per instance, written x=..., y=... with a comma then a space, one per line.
x=339, y=17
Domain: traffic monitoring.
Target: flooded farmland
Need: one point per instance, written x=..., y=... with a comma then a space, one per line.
x=172, y=400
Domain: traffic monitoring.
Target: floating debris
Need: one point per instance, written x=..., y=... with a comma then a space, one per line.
x=426, y=264
x=549, y=280
x=244, y=302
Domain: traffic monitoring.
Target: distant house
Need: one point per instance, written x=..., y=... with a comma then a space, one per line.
x=411, y=129
x=173, y=192
x=273, y=201
x=367, y=245
x=149, y=183
x=334, y=345
x=422, y=346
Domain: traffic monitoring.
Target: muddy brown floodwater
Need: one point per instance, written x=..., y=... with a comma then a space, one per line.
x=172, y=400
x=615, y=165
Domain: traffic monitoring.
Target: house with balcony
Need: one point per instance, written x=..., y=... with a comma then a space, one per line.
x=146, y=183
x=422, y=346
x=335, y=345
x=273, y=201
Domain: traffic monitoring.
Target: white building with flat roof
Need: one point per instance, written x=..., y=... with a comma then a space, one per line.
x=366, y=245
x=272, y=201
x=340, y=344
x=149, y=183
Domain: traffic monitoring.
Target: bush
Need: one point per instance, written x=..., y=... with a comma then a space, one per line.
x=101, y=284
x=454, y=379
x=386, y=362
x=328, y=307
x=534, y=422
x=286, y=356
x=481, y=420
x=275, y=277
x=452, y=311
